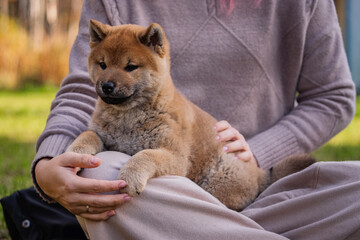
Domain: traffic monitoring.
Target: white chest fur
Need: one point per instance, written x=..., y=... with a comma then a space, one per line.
x=132, y=131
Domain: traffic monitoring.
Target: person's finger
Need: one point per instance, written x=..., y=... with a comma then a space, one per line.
x=245, y=156
x=235, y=146
x=222, y=125
x=71, y=159
x=99, y=200
x=229, y=134
x=87, y=185
x=98, y=217
x=89, y=209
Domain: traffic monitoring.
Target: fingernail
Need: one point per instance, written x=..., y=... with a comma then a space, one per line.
x=126, y=198
x=225, y=149
x=122, y=184
x=218, y=138
x=110, y=213
x=95, y=160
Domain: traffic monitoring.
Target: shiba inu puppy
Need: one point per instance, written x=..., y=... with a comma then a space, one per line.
x=139, y=112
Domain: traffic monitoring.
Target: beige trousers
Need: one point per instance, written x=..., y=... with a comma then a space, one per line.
x=321, y=202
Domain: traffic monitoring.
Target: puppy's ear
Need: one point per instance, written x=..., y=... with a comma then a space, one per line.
x=154, y=37
x=98, y=32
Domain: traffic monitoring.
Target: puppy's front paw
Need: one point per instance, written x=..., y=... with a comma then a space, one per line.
x=136, y=181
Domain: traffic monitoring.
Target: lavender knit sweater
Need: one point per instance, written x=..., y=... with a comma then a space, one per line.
x=277, y=72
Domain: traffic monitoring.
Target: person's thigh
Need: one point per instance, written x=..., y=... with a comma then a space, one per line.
x=171, y=207
x=320, y=202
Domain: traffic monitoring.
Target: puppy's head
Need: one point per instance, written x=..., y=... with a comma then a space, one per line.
x=128, y=64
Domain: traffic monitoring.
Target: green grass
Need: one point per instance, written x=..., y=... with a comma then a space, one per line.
x=345, y=145
x=23, y=117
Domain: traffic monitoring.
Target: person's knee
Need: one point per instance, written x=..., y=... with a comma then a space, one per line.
x=113, y=158
x=111, y=163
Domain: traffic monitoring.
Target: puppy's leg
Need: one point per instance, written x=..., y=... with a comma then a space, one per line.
x=235, y=183
x=150, y=163
x=87, y=142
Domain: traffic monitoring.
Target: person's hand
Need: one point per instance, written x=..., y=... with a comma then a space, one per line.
x=81, y=196
x=235, y=142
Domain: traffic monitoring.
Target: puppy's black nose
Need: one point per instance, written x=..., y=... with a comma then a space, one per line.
x=108, y=87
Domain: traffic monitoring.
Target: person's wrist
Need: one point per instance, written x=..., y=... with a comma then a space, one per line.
x=40, y=164
x=40, y=167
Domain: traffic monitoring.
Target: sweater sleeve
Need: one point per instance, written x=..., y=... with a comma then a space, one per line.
x=326, y=94
x=74, y=103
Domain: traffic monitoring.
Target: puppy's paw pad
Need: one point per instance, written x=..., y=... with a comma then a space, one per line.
x=132, y=191
x=135, y=183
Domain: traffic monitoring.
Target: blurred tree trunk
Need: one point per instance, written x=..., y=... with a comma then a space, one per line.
x=4, y=7
x=32, y=16
x=23, y=13
x=51, y=16
x=36, y=23
x=75, y=9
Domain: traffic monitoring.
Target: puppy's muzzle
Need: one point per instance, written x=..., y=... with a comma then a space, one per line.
x=108, y=93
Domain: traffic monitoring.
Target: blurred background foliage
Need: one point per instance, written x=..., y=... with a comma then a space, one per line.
x=35, y=42
x=36, y=38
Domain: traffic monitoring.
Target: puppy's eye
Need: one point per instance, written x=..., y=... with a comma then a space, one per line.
x=130, y=67
x=102, y=65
